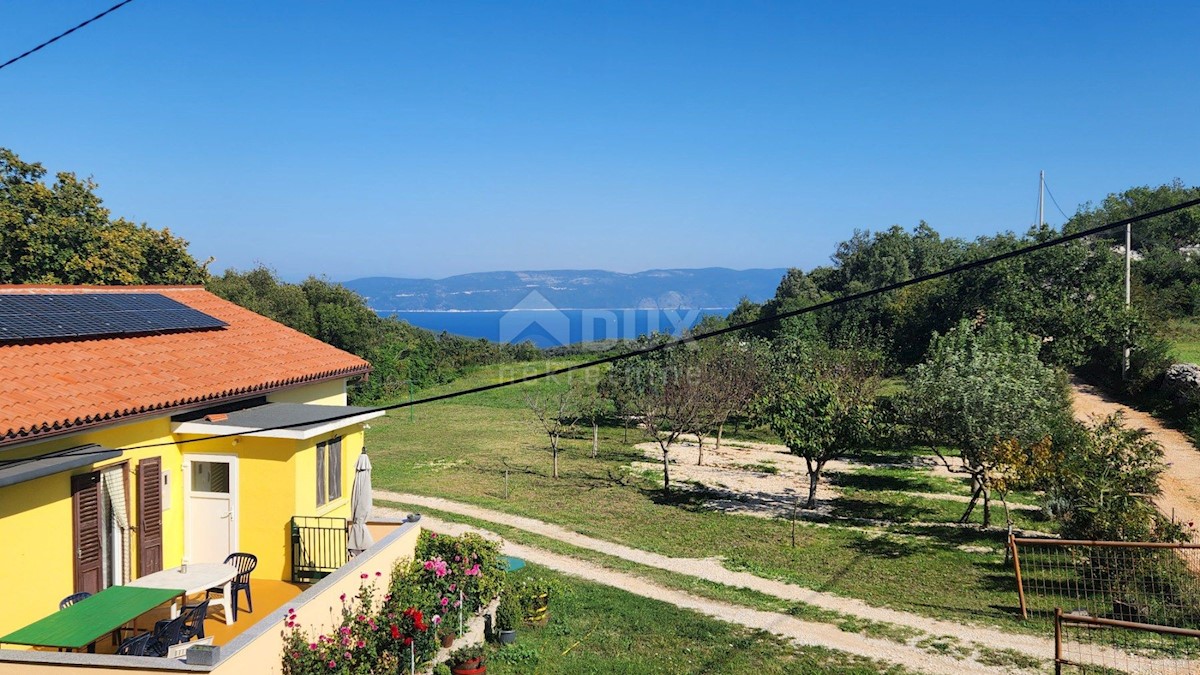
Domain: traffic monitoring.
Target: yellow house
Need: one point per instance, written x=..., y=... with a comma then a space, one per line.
x=146, y=427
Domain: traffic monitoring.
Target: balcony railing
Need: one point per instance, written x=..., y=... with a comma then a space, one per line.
x=318, y=547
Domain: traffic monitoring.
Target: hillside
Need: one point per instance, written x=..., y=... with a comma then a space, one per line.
x=713, y=287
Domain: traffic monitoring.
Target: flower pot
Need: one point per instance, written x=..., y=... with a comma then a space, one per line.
x=470, y=667
x=448, y=640
x=507, y=637
x=540, y=614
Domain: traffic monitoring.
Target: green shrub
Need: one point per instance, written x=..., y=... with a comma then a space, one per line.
x=464, y=654
x=508, y=614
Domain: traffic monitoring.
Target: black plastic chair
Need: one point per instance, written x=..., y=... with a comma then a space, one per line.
x=193, y=623
x=135, y=646
x=72, y=599
x=245, y=564
x=166, y=633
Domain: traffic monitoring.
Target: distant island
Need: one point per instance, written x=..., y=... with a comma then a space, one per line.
x=706, y=288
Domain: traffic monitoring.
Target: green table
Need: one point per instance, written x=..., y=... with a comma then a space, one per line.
x=88, y=620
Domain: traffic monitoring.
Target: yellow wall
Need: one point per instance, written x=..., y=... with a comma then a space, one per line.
x=37, y=517
x=277, y=479
x=321, y=393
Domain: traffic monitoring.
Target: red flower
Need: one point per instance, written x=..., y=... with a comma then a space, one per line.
x=407, y=641
x=395, y=632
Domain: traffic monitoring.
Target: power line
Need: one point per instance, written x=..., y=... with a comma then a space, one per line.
x=956, y=269
x=1064, y=215
x=60, y=36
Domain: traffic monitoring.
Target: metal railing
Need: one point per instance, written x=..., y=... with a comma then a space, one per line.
x=1090, y=644
x=318, y=547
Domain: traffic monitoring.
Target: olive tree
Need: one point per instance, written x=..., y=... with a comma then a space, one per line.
x=983, y=390
x=821, y=404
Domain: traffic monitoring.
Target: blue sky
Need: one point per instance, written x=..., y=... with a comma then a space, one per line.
x=428, y=139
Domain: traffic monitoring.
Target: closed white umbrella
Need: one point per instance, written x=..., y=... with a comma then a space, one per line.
x=360, y=506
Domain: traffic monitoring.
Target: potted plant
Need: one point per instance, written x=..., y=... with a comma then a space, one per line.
x=467, y=661
x=508, y=615
x=446, y=634
x=535, y=600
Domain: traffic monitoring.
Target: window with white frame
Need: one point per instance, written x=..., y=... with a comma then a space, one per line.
x=329, y=470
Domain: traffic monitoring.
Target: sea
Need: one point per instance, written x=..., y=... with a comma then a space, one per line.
x=558, y=327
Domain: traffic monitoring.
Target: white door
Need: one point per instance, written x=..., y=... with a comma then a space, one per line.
x=210, y=507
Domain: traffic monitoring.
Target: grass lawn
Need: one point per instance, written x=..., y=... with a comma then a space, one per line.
x=599, y=629
x=463, y=449
x=1184, y=335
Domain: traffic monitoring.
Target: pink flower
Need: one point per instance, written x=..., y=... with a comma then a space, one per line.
x=361, y=618
x=332, y=664
x=433, y=535
x=387, y=596
x=348, y=655
x=457, y=603
x=437, y=619
x=345, y=630
x=363, y=575
x=474, y=571
x=343, y=597
x=312, y=646
x=360, y=644
x=453, y=587
x=378, y=574
x=458, y=558
x=292, y=610
x=445, y=601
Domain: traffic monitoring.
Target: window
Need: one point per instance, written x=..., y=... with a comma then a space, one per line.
x=329, y=471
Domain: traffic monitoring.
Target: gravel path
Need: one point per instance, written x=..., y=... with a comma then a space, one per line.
x=798, y=631
x=711, y=569
x=1181, y=483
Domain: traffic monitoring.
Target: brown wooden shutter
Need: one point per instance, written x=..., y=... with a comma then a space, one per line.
x=89, y=553
x=335, y=469
x=149, y=508
x=321, y=474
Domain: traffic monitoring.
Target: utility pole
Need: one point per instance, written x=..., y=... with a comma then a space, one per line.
x=1041, y=198
x=1128, y=298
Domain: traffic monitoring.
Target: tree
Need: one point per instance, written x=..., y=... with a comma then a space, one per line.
x=591, y=406
x=981, y=388
x=61, y=234
x=1108, y=480
x=556, y=413
x=729, y=373
x=823, y=405
x=664, y=389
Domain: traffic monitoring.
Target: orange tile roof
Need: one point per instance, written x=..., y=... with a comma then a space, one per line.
x=54, y=387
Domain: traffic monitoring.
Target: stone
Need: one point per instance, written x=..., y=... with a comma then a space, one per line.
x=1182, y=383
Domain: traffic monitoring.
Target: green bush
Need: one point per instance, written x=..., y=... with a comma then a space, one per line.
x=464, y=654
x=508, y=614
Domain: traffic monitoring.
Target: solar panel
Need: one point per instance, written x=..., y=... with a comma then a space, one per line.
x=74, y=315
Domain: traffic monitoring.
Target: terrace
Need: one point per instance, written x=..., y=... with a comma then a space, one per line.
x=254, y=642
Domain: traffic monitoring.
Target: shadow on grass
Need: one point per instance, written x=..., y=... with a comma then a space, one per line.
x=874, y=481
x=864, y=508
x=886, y=547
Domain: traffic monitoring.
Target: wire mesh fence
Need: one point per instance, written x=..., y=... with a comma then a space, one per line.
x=1092, y=645
x=1115, y=606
